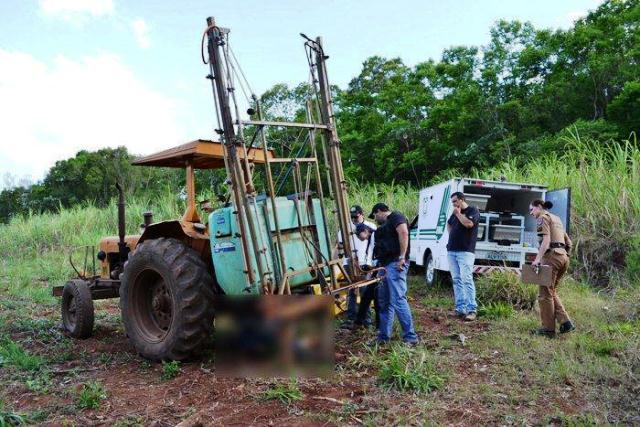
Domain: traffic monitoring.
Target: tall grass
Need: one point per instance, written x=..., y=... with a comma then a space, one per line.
x=399, y=197
x=34, y=249
x=81, y=225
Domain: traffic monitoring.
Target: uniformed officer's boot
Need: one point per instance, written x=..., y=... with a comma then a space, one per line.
x=544, y=332
x=567, y=326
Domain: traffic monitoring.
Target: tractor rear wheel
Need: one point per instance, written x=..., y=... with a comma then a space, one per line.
x=166, y=299
x=77, y=309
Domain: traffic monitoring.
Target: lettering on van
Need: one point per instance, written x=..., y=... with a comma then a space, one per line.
x=442, y=218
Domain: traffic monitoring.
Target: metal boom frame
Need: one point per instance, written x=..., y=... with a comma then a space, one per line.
x=241, y=179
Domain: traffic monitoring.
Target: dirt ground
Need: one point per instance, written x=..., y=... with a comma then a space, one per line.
x=137, y=394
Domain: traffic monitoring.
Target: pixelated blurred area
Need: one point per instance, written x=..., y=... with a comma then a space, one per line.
x=274, y=336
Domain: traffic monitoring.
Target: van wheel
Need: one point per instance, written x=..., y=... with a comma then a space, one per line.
x=430, y=272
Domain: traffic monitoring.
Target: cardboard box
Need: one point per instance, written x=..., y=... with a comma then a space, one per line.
x=542, y=275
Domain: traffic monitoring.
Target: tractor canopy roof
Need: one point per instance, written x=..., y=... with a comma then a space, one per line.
x=201, y=154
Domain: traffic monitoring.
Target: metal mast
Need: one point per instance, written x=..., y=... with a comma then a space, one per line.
x=336, y=173
x=241, y=179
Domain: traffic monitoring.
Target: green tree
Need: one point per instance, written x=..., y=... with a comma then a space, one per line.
x=625, y=108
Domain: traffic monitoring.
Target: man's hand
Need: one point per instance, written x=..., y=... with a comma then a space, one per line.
x=536, y=262
x=466, y=222
x=400, y=264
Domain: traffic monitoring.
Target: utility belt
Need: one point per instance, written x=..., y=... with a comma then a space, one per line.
x=555, y=245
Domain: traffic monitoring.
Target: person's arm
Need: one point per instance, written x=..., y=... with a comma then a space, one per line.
x=568, y=244
x=403, y=237
x=463, y=218
x=544, y=247
x=545, y=230
x=337, y=247
x=372, y=242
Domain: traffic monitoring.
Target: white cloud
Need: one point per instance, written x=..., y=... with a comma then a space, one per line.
x=573, y=16
x=51, y=111
x=570, y=18
x=70, y=9
x=141, y=32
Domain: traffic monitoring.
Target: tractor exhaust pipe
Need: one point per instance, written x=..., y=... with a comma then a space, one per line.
x=122, y=246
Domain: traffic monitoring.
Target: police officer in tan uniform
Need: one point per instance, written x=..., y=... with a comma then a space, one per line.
x=555, y=246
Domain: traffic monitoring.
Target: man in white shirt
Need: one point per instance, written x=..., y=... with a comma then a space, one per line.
x=367, y=293
x=361, y=251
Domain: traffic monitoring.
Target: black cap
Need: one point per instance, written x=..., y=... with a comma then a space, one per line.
x=362, y=227
x=378, y=207
x=356, y=210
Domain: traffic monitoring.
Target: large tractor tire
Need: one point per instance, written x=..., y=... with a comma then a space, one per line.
x=166, y=299
x=77, y=309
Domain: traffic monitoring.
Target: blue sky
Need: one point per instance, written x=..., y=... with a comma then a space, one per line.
x=85, y=74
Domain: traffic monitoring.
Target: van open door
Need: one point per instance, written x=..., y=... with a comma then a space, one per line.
x=561, y=200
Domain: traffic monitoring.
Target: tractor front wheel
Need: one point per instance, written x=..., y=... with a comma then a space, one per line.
x=77, y=309
x=166, y=299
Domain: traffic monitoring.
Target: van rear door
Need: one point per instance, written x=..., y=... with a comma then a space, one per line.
x=561, y=200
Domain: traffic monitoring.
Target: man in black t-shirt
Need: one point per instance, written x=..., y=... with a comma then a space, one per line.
x=463, y=232
x=391, y=250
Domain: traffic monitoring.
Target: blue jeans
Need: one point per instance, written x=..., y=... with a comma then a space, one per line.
x=352, y=306
x=464, y=290
x=392, y=299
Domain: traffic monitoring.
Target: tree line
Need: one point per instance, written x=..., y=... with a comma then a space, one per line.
x=517, y=97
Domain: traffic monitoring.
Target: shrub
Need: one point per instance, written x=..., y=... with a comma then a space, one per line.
x=170, y=369
x=12, y=353
x=632, y=260
x=10, y=418
x=496, y=310
x=284, y=392
x=598, y=346
x=91, y=395
x=506, y=288
x=40, y=383
x=405, y=369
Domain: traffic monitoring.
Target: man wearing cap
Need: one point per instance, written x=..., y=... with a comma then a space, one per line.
x=392, y=249
x=359, y=249
x=206, y=207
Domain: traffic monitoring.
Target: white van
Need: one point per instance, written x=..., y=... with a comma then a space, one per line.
x=507, y=235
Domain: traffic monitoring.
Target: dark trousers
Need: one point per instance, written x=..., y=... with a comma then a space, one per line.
x=367, y=294
x=551, y=308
